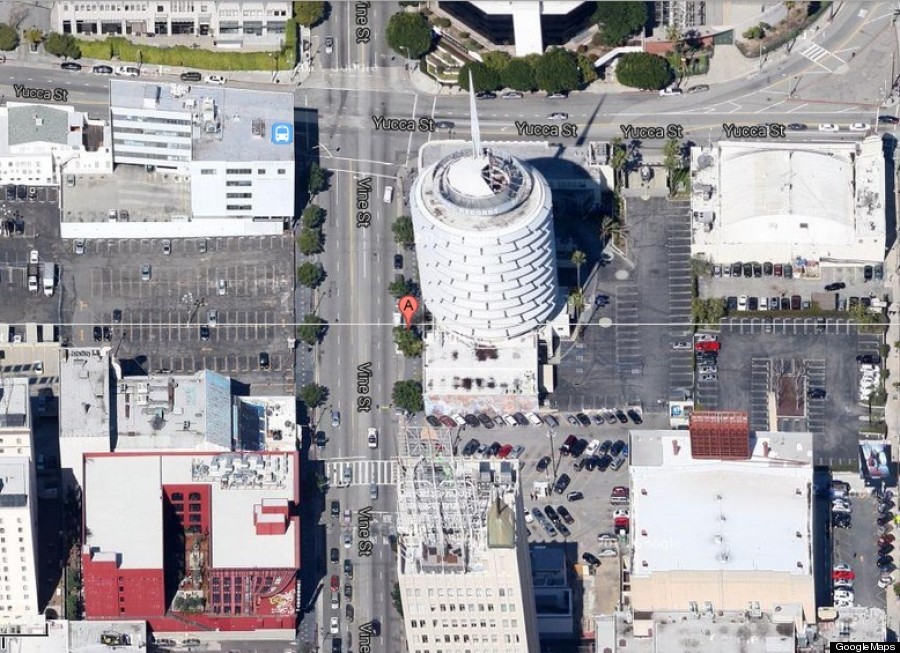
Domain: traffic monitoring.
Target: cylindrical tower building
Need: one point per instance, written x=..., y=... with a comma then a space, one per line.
x=485, y=245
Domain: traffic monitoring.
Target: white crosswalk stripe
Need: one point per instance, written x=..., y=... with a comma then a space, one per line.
x=814, y=52
x=820, y=56
x=362, y=472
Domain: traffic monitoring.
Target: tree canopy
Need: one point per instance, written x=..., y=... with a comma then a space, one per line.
x=312, y=329
x=402, y=286
x=310, y=242
x=407, y=395
x=313, y=395
x=557, y=71
x=313, y=216
x=403, y=231
x=62, y=45
x=318, y=179
x=308, y=13
x=9, y=38
x=643, y=70
x=409, y=34
x=408, y=341
x=483, y=78
x=310, y=274
x=619, y=20
x=518, y=75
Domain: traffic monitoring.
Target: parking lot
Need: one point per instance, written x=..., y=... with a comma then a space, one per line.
x=628, y=363
x=857, y=547
x=161, y=318
x=753, y=362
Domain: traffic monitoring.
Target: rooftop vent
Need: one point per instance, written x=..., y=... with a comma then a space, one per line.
x=258, y=127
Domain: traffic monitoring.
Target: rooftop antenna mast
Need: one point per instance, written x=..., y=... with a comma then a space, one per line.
x=473, y=116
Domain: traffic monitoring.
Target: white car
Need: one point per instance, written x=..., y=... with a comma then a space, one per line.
x=221, y=287
x=843, y=595
x=844, y=584
x=79, y=247
x=592, y=448
x=334, y=627
x=33, y=256
x=608, y=553
x=869, y=368
x=529, y=518
x=842, y=567
x=706, y=337
x=672, y=90
x=684, y=344
x=842, y=603
x=828, y=127
x=708, y=369
x=458, y=419
x=219, y=80
x=763, y=303
x=708, y=377
x=348, y=540
x=559, y=115
x=742, y=303
x=372, y=438
x=859, y=127
x=885, y=581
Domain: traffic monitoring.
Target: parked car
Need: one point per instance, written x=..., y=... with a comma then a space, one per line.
x=102, y=70
x=566, y=447
x=191, y=76
x=868, y=272
x=558, y=115
x=512, y=95
x=698, y=88
x=574, y=496
x=888, y=120
x=635, y=416
x=565, y=515
x=859, y=127
x=590, y=558
x=829, y=127
x=837, y=285
x=218, y=80
x=70, y=66
x=583, y=419
x=543, y=463
x=561, y=483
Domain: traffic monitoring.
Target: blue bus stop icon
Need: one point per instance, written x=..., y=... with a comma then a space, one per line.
x=282, y=133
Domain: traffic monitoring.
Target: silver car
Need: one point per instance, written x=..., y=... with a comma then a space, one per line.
x=212, y=317
x=146, y=272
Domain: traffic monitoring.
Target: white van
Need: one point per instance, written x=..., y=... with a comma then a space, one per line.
x=388, y=194
x=49, y=278
x=534, y=419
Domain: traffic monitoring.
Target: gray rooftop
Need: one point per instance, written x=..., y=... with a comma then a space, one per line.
x=84, y=393
x=14, y=403
x=229, y=124
x=14, y=477
x=35, y=122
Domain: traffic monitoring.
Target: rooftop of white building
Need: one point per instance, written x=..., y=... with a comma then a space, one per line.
x=127, y=525
x=712, y=515
x=164, y=411
x=229, y=124
x=818, y=200
x=15, y=482
x=84, y=395
x=65, y=636
x=266, y=423
x=14, y=403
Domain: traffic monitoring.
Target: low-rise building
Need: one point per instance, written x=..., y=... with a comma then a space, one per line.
x=197, y=542
x=40, y=143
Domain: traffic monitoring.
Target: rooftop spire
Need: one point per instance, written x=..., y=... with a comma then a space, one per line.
x=476, y=132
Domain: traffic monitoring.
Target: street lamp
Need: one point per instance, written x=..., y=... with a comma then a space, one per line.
x=550, y=433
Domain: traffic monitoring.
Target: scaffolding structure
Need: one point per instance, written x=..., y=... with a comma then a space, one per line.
x=443, y=502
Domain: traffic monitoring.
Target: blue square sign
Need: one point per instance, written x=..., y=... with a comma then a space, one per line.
x=282, y=133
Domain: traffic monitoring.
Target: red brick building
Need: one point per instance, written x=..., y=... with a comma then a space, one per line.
x=192, y=541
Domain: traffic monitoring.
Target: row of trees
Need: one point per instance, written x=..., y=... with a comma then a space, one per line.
x=555, y=71
x=59, y=45
x=618, y=21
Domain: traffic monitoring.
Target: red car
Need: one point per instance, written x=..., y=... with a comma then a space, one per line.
x=335, y=584
x=447, y=421
x=842, y=575
x=504, y=451
x=707, y=345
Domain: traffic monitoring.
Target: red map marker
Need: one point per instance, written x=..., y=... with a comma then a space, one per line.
x=408, y=306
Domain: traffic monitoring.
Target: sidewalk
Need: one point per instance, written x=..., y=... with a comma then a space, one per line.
x=892, y=407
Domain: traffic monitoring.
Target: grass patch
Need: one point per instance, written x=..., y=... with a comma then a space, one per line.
x=121, y=49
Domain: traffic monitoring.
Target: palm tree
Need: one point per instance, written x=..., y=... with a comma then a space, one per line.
x=578, y=259
x=611, y=229
x=619, y=158
x=576, y=297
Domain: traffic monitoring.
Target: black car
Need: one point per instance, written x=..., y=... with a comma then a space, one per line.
x=191, y=76
x=70, y=65
x=748, y=270
x=837, y=285
x=620, y=415
x=603, y=463
x=551, y=515
x=433, y=421
x=841, y=520
x=335, y=508
x=767, y=268
x=348, y=568
x=561, y=483
x=21, y=192
x=816, y=393
x=604, y=448
x=117, y=316
x=471, y=420
x=565, y=532
x=884, y=519
x=263, y=360
x=884, y=560
x=521, y=420
x=598, y=419
x=102, y=70
x=867, y=273
x=398, y=261
x=879, y=272
x=888, y=568
x=574, y=496
x=757, y=270
x=98, y=334
x=583, y=419
x=485, y=420
x=348, y=591
x=617, y=448
x=731, y=303
x=486, y=95
x=348, y=611
x=566, y=515
x=785, y=303
x=566, y=447
x=493, y=450
x=752, y=304
x=471, y=447
x=888, y=120
x=543, y=463
x=11, y=193
x=736, y=269
x=885, y=550
x=550, y=420
x=321, y=439
x=578, y=448
x=635, y=416
x=107, y=333
x=590, y=558
x=590, y=464
x=204, y=332
x=796, y=127
x=334, y=556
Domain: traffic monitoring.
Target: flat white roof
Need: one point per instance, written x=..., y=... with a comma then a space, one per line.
x=714, y=515
x=778, y=201
x=84, y=393
x=14, y=404
x=130, y=523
